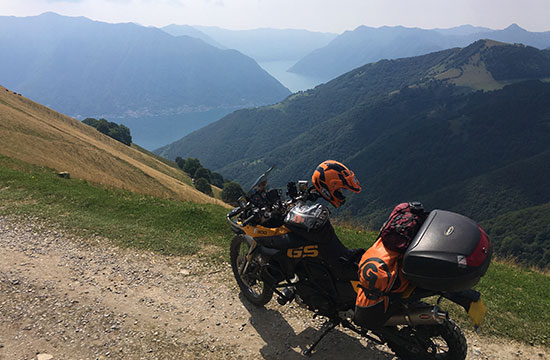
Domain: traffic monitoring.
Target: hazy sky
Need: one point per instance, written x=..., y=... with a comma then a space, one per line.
x=317, y=15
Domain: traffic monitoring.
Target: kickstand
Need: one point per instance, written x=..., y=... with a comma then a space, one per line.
x=331, y=325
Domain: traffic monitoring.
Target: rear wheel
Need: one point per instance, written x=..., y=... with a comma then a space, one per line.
x=441, y=342
x=253, y=289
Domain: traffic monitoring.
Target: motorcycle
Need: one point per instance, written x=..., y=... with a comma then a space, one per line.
x=420, y=329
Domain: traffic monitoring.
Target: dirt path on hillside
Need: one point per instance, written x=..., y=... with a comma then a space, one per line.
x=63, y=297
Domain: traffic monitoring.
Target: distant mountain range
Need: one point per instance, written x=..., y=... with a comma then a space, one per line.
x=187, y=30
x=260, y=44
x=366, y=44
x=463, y=30
x=86, y=68
x=415, y=128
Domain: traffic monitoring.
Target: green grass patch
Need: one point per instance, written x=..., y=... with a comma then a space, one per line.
x=517, y=299
x=355, y=238
x=517, y=302
x=129, y=219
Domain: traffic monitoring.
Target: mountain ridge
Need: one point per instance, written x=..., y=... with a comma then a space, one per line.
x=153, y=71
x=187, y=30
x=266, y=44
x=366, y=44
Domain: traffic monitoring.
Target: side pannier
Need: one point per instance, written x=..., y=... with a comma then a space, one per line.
x=449, y=253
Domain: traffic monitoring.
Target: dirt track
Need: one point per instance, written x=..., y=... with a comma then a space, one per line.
x=64, y=297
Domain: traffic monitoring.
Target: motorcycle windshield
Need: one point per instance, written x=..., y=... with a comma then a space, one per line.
x=261, y=179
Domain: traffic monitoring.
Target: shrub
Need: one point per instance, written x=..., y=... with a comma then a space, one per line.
x=191, y=165
x=216, y=179
x=181, y=162
x=118, y=132
x=232, y=192
x=203, y=186
x=202, y=173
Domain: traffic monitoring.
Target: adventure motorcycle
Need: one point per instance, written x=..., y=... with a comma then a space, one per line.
x=419, y=330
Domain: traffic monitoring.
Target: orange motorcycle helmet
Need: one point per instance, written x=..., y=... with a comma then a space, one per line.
x=330, y=178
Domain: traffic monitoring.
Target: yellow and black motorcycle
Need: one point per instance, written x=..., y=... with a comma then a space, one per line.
x=268, y=258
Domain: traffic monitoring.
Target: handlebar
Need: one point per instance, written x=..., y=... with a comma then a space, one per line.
x=280, y=207
x=236, y=211
x=244, y=223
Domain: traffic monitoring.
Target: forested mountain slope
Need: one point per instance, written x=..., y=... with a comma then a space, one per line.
x=470, y=68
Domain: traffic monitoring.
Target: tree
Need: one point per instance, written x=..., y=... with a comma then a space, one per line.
x=232, y=192
x=181, y=162
x=90, y=121
x=103, y=126
x=203, y=186
x=191, y=165
x=216, y=179
x=202, y=173
x=121, y=133
x=111, y=129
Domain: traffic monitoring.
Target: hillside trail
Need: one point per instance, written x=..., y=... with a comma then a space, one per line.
x=69, y=297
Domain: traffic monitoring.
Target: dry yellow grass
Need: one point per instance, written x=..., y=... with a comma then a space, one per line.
x=38, y=135
x=474, y=74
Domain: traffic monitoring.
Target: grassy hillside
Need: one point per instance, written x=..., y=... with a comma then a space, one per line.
x=128, y=218
x=38, y=135
x=523, y=234
x=517, y=299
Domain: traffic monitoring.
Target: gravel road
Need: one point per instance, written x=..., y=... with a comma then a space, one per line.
x=68, y=297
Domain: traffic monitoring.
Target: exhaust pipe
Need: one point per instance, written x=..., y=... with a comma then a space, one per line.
x=425, y=315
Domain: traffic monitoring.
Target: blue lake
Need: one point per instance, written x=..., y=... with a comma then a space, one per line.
x=294, y=82
x=152, y=132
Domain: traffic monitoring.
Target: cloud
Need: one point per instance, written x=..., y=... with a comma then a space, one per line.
x=82, y=1
x=317, y=15
x=214, y=2
x=67, y=1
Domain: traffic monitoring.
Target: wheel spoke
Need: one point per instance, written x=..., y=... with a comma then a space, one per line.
x=439, y=342
x=247, y=274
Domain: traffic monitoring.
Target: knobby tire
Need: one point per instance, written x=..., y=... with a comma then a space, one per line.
x=447, y=334
x=248, y=282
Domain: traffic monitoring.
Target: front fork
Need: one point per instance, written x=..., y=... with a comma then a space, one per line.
x=244, y=265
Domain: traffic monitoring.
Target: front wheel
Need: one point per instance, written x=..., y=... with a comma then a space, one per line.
x=253, y=288
x=441, y=342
